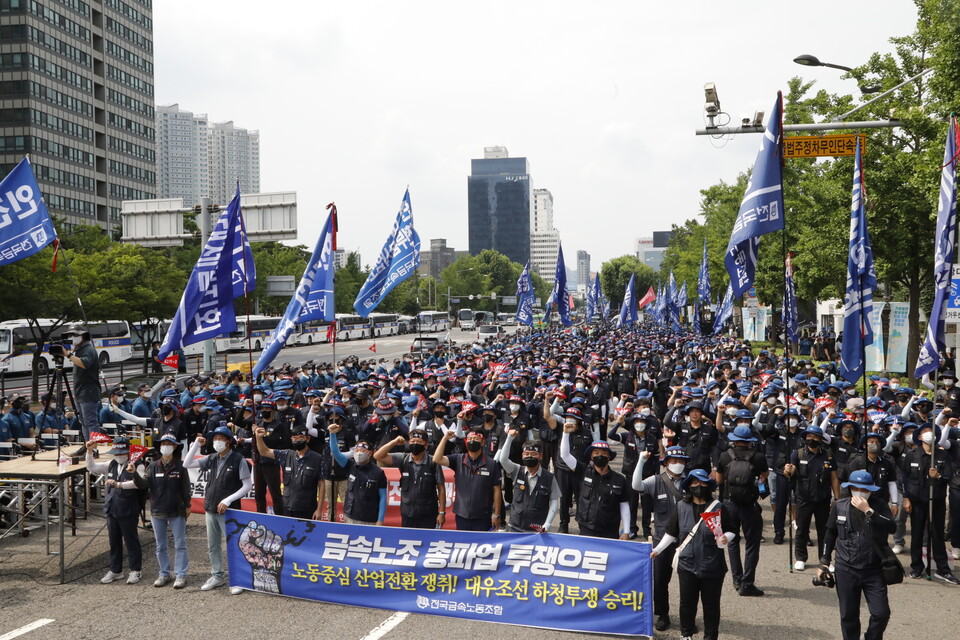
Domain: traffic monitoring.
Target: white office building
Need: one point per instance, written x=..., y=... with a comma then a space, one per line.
x=544, y=239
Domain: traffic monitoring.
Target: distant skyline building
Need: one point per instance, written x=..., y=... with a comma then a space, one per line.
x=197, y=158
x=650, y=250
x=544, y=239
x=583, y=268
x=76, y=82
x=438, y=258
x=498, y=204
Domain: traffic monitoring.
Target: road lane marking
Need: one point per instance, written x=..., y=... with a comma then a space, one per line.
x=36, y=625
x=381, y=629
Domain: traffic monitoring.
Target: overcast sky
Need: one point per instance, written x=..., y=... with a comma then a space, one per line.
x=356, y=100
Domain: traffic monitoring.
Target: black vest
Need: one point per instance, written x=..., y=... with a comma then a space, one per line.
x=223, y=480
x=665, y=497
x=300, y=480
x=418, y=487
x=475, y=486
x=530, y=508
x=854, y=549
x=363, y=492
x=814, y=482
x=165, y=486
x=121, y=503
x=701, y=556
x=600, y=496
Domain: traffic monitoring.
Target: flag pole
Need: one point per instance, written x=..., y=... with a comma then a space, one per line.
x=246, y=293
x=334, y=227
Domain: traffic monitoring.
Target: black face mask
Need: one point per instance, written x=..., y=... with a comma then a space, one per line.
x=439, y=414
x=474, y=445
x=848, y=433
x=299, y=445
x=417, y=448
x=488, y=419
x=813, y=444
x=700, y=491
x=530, y=462
x=166, y=409
x=600, y=462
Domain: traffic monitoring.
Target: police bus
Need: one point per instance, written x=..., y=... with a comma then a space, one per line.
x=465, y=319
x=312, y=332
x=142, y=332
x=384, y=324
x=260, y=328
x=434, y=321
x=17, y=344
x=352, y=327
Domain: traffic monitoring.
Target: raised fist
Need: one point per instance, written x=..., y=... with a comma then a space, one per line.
x=263, y=549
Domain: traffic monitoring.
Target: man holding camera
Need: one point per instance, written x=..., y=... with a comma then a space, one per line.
x=86, y=377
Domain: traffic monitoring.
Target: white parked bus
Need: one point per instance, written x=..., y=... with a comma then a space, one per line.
x=17, y=345
x=312, y=332
x=384, y=324
x=431, y=321
x=352, y=327
x=465, y=320
x=507, y=319
x=137, y=340
x=260, y=329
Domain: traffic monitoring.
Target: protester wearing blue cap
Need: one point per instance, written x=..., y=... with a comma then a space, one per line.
x=857, y=528
x=228, y=479
x=699, y=557
x=817, y=482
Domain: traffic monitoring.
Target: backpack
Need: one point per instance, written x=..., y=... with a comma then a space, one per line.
x=740, y=479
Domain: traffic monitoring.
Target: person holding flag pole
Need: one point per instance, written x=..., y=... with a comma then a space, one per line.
x=525, y=297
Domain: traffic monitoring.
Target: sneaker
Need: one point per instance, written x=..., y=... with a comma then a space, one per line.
x=898, y=549
x=749, y=590
x=235, y=591
x=110, y=577
x=799, y=565
x=956, y=553
x=212, y=583
x=180, y=582
x=778, y=538
x=686, y=637
x=162, y=581
x=946, y=576
x=663, y=623
x=133, y=578
x=916, y=575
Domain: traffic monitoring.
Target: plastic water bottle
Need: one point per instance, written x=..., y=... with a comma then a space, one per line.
x=63, y=462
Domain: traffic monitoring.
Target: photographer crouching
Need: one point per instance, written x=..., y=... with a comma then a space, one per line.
x=858, y=527
x=86, y=377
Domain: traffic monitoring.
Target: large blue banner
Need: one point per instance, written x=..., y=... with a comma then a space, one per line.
x=25, y=225
x=566, y=582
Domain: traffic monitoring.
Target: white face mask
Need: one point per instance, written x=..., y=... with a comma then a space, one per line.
x=219, y=446
x=894, y=385
x=792, y=422
x=927, y=437
x=676, y=468
x=851, y=392
x=257, y=397
x=166, y=451
x=76, y=340
x=362, y=457
x=580, y=385
x=860, y=492
x=772, y=400
x=147, y=395
x=514, y=408
x=640, y=427
x=731, y=411
x=122, y=460
x=644, y=411
x=948, y=383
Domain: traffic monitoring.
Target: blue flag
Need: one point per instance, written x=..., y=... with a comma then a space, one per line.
x=560, y=296
x=244, y=271
x=25, y=225
x=673, y=308
x=313, y=299
x=595, y=293
x=790, y=320
x=525, y=297
x=397, y=261
x=703, y=288
x=206, y=308
x=628, y=310
x=929, y=358
x=762, y=208
x=724, y=311
x=591, y=302
x=861, y=281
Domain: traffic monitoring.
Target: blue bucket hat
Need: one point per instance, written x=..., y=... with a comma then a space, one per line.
x=861, y=479
x=223, y=431
x=743, y=433
x=698, y=474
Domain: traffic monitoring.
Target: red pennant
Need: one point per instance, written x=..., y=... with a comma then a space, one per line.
x=468, y=406
x=373, y=347
x=822, y=403
x=498, y=368
x=100, y=438
x=332, y=332
x=56, y=253
x=422, y=403
x=172, y=361
x=136, y=452
x=647, y=298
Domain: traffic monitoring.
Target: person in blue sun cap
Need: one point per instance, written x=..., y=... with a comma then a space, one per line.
x=856, y=528
x=816, y=484
x=700, y=563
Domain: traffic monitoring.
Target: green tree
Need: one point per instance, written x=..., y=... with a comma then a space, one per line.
x=347, y=282
x=615, y=275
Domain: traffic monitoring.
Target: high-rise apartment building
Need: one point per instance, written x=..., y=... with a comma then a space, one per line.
x=583, y=268
x=76, y=94
x=498, y=199
x=544, y=239
x=197, y=158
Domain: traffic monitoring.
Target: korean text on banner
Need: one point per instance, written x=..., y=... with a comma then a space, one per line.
x=899, y=331
x=574, y=583
x=875, y=349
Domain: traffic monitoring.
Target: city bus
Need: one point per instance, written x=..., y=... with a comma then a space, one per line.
x=483, y=317
x=17, y=346
x=312, y=332
x=352, y=327
x=140, y=341
x=507, y=319
x=431, y=321
x=384, y=324
x=465, y=320
x=260, y=329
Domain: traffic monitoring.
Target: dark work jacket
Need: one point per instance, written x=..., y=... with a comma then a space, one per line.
x=121, y=503
x=666, y=495
x=600, y=496
x=916, y=481
x=530, y=508
x=362, y=500
x=418, y=487
x=301, y=479
x=701, y=556
x=223, y=484
x=848, y=532
x=169, y=488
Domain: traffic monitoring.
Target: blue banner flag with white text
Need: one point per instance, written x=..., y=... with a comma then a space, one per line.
x=935, y=343
x=398, y=260
x=762, y=208
x=790, y=321
x=673, y=308
x=724, y=311
x=560, y=296
x=525, y=297
x=25, y=224
x=206, y=307
x=591, y=302
x=244, y=271
x=628, y=310
x=596, y=292
x=313, y=299
x=551, y=581
x=861, y=282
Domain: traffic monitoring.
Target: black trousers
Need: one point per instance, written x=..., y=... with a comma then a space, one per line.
x=806, y=511
x=662, y=573
x=633, y=500
x=783, y=489
x=120, y=532
x=569, y=483
x=746, y=517
x=850, y=584
x=955, y=517
x=918, y=534
x=423, y=522
x=267, y=476
x=473, y=524
x=610, y=533
x=303, y=515
x=646, y=513
x=707, y=590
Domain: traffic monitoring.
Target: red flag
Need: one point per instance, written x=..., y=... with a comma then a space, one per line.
x=373, y=347
x=822, y=403
x=422, y=403
x=712, y=519
x=332, y=208
x=332, y=332
x=136, y=452
x=499, y=368
x=172, y=361
x=647, y=298
x=56, y=253
x=100, y=438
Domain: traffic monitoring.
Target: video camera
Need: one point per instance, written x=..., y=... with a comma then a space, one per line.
x=825, y=580
x=57, y=350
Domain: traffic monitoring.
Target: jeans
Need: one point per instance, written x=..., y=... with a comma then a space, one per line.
x=216, y=536
x=89, y=418
x=178, y=526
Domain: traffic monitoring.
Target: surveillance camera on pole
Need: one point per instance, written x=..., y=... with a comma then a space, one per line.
x=712, y=106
